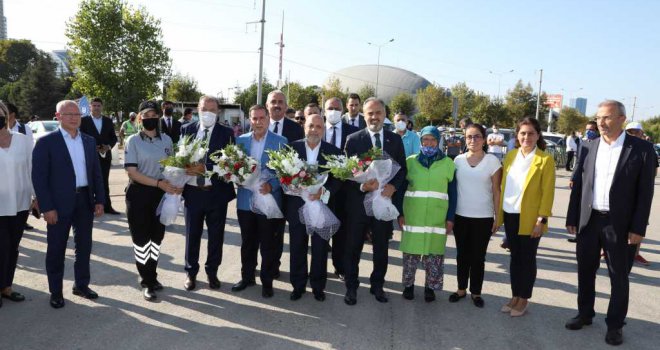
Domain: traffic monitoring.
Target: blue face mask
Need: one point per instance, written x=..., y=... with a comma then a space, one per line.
x=429, y=151
x=591, y=134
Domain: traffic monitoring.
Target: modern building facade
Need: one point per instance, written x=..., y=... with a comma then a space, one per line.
x=580, y=104
x=3, y=19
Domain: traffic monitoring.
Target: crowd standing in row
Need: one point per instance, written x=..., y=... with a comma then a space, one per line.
x=467, y=192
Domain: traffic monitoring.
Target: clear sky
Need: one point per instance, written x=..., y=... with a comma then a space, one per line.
x=595, y=49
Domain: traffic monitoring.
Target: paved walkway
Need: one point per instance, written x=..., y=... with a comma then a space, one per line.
x=220, y=319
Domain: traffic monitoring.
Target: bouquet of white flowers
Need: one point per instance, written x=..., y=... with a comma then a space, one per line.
x=234, y=165
x=189, y=152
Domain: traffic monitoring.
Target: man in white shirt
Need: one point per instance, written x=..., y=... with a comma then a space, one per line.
x=353, y=116
x=571, y=148
x=609, y=209
x=15, y=126
x=496, y=143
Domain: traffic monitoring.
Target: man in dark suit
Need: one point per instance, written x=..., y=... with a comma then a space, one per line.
x=336, y=133
x=353, y=116
x=103, y=131
x=357, y=220
x=609, y=209
x=67, y=181
x=312, y=150
x=168, y=125
x=282, y=126
x=206, y=199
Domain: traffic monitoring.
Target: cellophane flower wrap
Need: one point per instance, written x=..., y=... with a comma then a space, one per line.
x=233, y=164
x=375, y=164
x=301, y=179
x=190, y=151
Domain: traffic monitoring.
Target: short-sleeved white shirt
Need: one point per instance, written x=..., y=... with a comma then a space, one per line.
x=495, y=148
x=475, y=191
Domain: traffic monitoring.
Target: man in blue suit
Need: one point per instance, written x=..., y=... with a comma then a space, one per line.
x=67, y=181
x=257, y=231
x=206, y=199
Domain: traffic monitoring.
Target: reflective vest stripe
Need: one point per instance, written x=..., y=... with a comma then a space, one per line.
x=424, y=229
x=427, y=194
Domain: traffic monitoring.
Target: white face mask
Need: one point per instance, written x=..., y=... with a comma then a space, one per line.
x=333, y=117
x=400, y=125
x=495, y=131
x=207, y=119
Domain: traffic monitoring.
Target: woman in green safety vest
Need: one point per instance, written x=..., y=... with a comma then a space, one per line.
x=128, y=128
x=428, y=214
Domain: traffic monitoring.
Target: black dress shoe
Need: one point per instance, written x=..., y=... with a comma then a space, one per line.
x=149, y=294
x=455, y=297
x=56, y=301
x=351, y=297
x=158, y=286
x=478, y=302
x=409, y=293
x=429, y=295
x=242, y=284
x=296, y=294
x=319, y=295
x=577, y=322
x=111, y=211
x=379, y=293
x=572, y=240
x=267, y=292
x=85, y=292
x=614, y=336
x=13, y=296
x=190, y=283
x=28, y=227
x=340, y=275
x=214, y=282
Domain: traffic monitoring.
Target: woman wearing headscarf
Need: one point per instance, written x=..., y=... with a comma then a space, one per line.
x=528, y=190
x=428, y=214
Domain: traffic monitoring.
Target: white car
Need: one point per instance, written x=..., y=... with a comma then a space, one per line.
x=42, y=127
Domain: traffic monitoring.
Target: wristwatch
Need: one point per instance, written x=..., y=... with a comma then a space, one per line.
x=542, y=220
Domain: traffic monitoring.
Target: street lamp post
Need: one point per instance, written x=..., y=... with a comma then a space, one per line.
x=499, y=80
x=378, y=64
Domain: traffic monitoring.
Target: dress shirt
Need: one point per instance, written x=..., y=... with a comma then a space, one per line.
x=607, y=158
x=373, y=138
x=28, y=131
x=77, y=154
x=271, y=127
x=312, y=153
x=200, y=136
x=257, y=148
x=353, y=121
x=411, y=143
x=570, y=144
x=328, y=133
x=515, y=181
x=98, y=122
x=168, y=122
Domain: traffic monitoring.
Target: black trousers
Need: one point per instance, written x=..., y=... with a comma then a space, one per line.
x=381, y=231
x=522, y=268
x=280, y=225
x=11, y=232
x=106, y=164
x=204, y=206
x=146, y=230
x=299, y=242
x=82, y=220
x=599, y=234
x=258, y=233
x=569, y=160
x=339, y=238
x=472, y=236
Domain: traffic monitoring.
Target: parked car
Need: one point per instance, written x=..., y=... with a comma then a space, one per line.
x=42, y=127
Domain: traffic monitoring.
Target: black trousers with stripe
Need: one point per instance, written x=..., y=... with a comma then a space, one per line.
x=146, y=230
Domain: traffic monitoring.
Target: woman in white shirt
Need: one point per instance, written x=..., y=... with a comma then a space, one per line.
x=16, y=199
x=478, y=177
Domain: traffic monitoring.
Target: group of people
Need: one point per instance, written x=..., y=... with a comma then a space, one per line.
x=471, y=196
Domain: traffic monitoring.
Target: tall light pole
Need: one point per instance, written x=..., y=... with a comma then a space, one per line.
x=538, y=97
x=378, y=65
x=261, y=50
x=499, y=80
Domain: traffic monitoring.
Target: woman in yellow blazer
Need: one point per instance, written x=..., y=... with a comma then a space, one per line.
x=528, y=189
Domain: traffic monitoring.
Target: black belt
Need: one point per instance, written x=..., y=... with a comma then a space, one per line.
x=81, y=189
x=600, y=212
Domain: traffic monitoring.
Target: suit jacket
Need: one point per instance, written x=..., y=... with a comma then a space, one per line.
x=174, y=132
x=54, y=179
x=359, y=143
x=631, y=192
x=346, y=130
x=273, y=142
x=293, y=203
x=219, y=138
x=291, y=130
x=538, y=190
x=107, y=136
x=362, y=122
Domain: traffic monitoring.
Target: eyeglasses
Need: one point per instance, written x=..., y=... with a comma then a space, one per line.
x=473, y=137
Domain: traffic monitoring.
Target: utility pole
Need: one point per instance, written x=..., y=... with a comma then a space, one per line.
x=538, y=97
x=632, y=117
x=280, y=82
x=261, y=51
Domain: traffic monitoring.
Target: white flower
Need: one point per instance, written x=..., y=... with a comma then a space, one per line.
x=200, y=153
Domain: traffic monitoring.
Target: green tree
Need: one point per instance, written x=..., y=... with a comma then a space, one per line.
x=366, y=91
x=15, y=57
x=248, y=97
x=117, y=53
x=182, y=88
x=521, y=102
x=570, y=120
x=652, y=128
x=298, y=96
x=434, y=105
x=333, y=89
x=403, y=102
x=38, y=90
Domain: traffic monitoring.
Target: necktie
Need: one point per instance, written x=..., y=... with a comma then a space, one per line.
x=201, y=180
x=276, y=127
x=353, y=121
x=333, y=138
x=169, y=124
x=379, y=145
